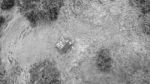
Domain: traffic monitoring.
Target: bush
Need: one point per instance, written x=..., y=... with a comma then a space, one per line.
x=53, y=8
x=146, y=28
x=53, y=13
x=104, y=60
x=145, y=24
x=146, y=8
x=2, y=20
x=45, y=5
x=26, y=5
x=7, y=4
x=32, y=17
x=49, y=4
x=44, y=72
x=142, y=5
x=2, y=72
x=47, y=10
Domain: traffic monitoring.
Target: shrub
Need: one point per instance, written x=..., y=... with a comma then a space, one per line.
x=26, y=5
x=53, y=13
x=142, y=5
x=104, y=60
x=49, y=4
x=146, y=8
x=7, y=4
x=146, y=28
x=47, y=10
x=2, y=20
x=145, y=24
x=44, y=72
x=32, y=17
x=2, y=72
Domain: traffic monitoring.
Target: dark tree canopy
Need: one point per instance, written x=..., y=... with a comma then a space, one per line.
x=26, y=5
x=2, y=20
x=146, y=8
x=49, y=4
x=146, y=28
x=44, y=72
x=53, y=13
x=45, y=10
x=142, y=5
x=104, y=60
x=32, y=17
x=7, y=4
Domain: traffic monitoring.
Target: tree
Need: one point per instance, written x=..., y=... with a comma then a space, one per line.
x=40, y=10
x=2, y=20
x=44, y=72
x=142, y=5
x=53, y=13
x=7, y=4
x=32, y=17
x=104, y=60
x=146, y=28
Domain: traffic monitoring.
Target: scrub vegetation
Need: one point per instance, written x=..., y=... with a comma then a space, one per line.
x=44, y=72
